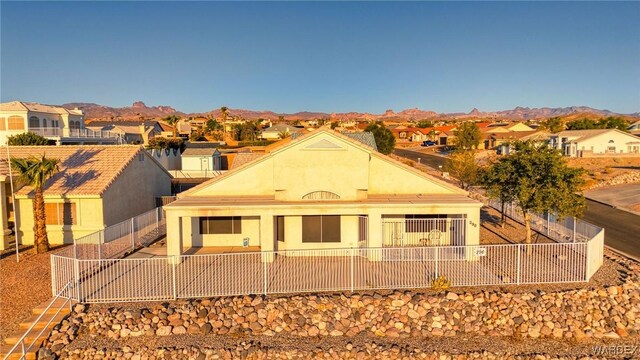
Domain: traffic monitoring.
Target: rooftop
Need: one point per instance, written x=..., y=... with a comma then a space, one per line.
x=83, y=170
x=31, y=106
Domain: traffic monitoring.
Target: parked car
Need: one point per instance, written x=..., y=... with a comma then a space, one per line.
x=429, y=143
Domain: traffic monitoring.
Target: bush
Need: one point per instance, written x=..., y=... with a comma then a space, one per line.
x=27, y=138
x=161, y=143
x=441, y=283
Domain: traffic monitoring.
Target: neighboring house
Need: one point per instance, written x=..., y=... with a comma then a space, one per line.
x=96, y=186
x=201, y=159
x=403, y=133
x=503, y=142
x=322, y=190
x=596, y=142
x=273, y=132
x=55, y=123
x=184, y=128
x=132, y=132
x=634, y=128
x=504, y=128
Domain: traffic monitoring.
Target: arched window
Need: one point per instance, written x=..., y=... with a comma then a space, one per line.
x=34, y=122
x=321, y=195
x=611, y=141
x=15, y=122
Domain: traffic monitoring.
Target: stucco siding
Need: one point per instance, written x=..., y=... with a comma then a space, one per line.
x=88, y=214
x=388, y=178
x=135, y=190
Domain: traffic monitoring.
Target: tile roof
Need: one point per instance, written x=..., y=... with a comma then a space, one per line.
x=243, y=158
x=31, y=106
x=191, y=151
x=83, y=170
x=366, y=138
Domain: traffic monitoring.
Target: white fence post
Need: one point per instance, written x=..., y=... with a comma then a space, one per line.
x=574, y=229
x=53, y=276
x=548, y=224
x=352, y=254
x=173, y=276
x=264, y=271
x=436, y=258
x=519, y=248
x=158, y=220
x=76, y=275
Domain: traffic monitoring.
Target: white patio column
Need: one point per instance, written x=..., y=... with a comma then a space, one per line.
x=174, y=236
x=4, y=226
x=267, y=239
x=473, y=227
x=375, y=236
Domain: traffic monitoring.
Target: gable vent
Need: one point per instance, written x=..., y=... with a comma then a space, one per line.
x=321, y=195
x=323, y=144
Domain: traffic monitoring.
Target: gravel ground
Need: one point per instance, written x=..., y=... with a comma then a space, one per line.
x=513, y=232
x=23, y=286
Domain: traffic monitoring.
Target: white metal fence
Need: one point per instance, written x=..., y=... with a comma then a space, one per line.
x=297, y=271
x=92, y=270
x=117, y=240
x=568, y=229
x=424, y=232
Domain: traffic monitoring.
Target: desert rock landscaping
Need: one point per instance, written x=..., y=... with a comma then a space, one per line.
x=476, y=323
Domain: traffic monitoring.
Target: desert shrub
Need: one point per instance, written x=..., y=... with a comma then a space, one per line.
x=441, y=283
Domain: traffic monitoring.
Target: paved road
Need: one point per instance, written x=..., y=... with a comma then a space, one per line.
x=427, y=159
x=627, y=195
x=622, y=228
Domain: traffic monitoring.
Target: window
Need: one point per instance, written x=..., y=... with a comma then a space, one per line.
x=44, y=123
x=280, y=228
x=15, y=123
x=422, y=223
x=321, y=229
x=221, y=225
x=34, y=122
x=3, y=124
x=60, y=213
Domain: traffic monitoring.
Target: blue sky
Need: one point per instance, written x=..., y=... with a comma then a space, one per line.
x=331, y=57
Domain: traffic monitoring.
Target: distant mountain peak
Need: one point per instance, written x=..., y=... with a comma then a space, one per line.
x=139, y=105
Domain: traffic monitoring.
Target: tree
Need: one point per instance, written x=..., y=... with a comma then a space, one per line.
x=424, y=124
x=432, y=135
x=612, y=122
x=462, y=165
x=35, y=172
x=468, y=136
x=334, y=125
x=197, y=136
x=161, y=143
x=582, y=124
x=538, y=179
x=27, y=138
x=173, y=120
x=383, y=136
x=284, y=134
x=212, y=125
x=554, y=124
x=496, y=181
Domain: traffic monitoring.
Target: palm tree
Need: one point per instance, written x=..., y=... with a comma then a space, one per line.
x=224, y=113
x=35, y=172
x=173, y=121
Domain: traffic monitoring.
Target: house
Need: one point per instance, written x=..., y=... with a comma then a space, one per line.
x=321, y=190
x=201, y=159
x=595, y=142
x=634, y=128
x=96, y=186
x=504, y=128
x=274, y=132
x=55, y=123
x=503, y=142
x=132, y=132
x=403, y=133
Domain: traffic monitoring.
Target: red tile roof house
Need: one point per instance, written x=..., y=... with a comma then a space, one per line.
x=96, y=186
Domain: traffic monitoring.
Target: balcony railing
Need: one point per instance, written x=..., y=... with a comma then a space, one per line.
x=74, y=133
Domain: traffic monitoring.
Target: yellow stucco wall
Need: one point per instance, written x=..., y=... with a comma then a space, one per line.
x=88, y=214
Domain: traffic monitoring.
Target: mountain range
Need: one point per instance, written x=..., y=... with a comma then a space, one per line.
x=139, y=110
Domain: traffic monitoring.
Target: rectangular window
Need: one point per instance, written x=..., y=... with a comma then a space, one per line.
x=15, y=123
x=60, y=213
x=221, y=225
x=321, y=229
x=280, y=228
x=3, y=124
